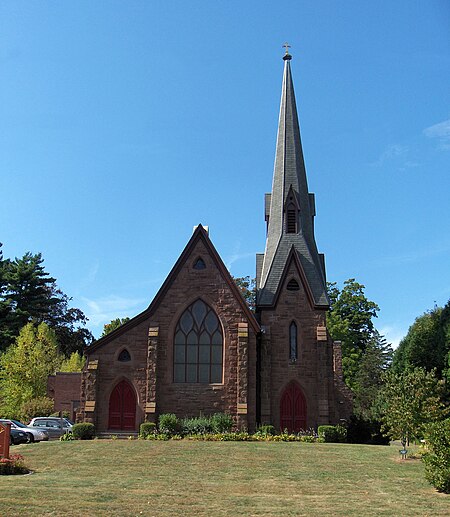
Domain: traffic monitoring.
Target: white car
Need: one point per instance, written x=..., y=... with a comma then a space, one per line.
x=34, y=435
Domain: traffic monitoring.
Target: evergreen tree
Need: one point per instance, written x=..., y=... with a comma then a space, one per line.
x=29, y=294
x=368, y=382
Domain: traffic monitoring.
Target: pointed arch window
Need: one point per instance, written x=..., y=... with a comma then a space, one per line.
x=199, y=264
x=292, y=285
x=198, y=346
x=124, y=356
x=293, y=342
x=291, y=219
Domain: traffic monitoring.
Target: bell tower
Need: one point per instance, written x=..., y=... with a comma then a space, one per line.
x=296, y=376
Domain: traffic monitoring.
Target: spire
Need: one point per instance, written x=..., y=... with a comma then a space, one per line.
x=290, y=209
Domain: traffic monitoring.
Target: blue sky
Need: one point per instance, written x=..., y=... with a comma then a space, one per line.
x=124, y=124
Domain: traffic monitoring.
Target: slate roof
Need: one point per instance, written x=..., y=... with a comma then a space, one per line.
x=289, y=173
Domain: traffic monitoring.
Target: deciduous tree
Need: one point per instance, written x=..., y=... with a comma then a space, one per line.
x=113, y=325
x=247, y=286
x=409, y=401
x=25, y=366
x=427, y=344
x=75, y=363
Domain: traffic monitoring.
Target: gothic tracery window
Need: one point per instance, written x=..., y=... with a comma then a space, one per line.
x=198, y=346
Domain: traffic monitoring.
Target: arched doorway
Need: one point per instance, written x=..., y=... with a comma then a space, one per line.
x=122, y=407
x=293, y=409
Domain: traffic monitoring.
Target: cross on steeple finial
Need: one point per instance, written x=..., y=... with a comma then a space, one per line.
x=287, y=56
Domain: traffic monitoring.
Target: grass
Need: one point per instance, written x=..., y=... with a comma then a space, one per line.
x=134, y=478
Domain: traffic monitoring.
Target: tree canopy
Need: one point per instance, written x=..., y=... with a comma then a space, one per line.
x=29, y=294
x=113, y=325
x=409, y=401
x=247, y=287
x=25, y=367
x=365, y=352
x=427, y=343
x=350, y=320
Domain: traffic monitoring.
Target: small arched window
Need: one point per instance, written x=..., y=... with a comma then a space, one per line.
x=198, y=346
x=291, y=219
x=124, y=356
x=293, y=342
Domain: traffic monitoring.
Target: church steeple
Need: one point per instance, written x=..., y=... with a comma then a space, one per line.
x=289, y=208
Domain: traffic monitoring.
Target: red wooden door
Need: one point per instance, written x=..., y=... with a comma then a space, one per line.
x=122, y=407
x=293, y=409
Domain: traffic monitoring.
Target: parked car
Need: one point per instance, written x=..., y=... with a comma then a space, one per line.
x=17, y=437
x=34, y=435
x=54, y=426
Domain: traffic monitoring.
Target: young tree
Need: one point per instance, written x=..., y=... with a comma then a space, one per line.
x=409, y=401
x=25, y=366
x=75, y=363
x=113, y=325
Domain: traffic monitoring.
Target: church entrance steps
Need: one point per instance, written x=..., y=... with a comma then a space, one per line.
x=119, y=435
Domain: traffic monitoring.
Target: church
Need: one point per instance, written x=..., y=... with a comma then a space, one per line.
x=198, y=349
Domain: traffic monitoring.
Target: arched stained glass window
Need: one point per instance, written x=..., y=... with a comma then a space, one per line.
x=293, y=342
x=198, y=346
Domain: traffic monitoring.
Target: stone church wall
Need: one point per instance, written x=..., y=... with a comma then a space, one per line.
x=150, y=344
x=313, y=369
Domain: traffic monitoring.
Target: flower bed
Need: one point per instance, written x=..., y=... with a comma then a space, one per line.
x=13, y=465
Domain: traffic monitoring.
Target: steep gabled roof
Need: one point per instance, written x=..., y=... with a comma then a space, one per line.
x=289, y=180
x=199, y=234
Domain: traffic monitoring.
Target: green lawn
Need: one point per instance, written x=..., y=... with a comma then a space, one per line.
x=127, y=478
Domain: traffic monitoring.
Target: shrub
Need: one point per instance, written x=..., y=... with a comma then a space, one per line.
x=341, y=433
x=364, y=431
x=67, y=437
x=13, y=465
x=198, y=425
x=221, y=423
x=40, y=406
x=328, y=433
x=266, y=430
x=168, y=424
x=147, y=428
x=83, y=431
x=437, y=459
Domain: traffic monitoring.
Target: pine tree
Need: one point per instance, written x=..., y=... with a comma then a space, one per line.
x=29, y=294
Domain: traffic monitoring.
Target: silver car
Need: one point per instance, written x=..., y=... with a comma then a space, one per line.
x=33, y=434
x=54, y=426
